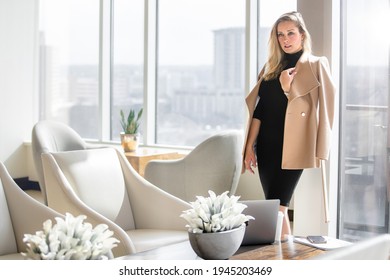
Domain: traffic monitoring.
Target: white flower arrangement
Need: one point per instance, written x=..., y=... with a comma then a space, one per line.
x=215, y=213
x=70, y=239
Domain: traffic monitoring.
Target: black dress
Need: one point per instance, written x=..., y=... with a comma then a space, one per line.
x=277, y=183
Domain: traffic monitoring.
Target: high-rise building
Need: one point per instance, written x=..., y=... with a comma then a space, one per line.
x=229, y=59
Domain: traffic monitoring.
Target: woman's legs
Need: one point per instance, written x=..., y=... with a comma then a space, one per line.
x=280, y=184
x=286, y=228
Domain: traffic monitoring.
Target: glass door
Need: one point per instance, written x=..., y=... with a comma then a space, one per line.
x=364, y=157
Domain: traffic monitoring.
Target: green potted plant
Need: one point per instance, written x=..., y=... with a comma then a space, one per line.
x=130, y=126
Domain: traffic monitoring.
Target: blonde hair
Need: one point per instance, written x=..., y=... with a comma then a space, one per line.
x=274, y=64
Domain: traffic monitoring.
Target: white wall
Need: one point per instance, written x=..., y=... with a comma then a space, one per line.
x=17, y=81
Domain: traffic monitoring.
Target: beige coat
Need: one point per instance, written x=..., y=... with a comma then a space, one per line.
x=309, y=114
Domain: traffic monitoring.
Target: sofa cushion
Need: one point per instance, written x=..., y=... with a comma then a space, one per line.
x=12, y=257
x=147, y=239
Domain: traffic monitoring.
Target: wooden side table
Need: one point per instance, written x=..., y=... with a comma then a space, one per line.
x=142, y=156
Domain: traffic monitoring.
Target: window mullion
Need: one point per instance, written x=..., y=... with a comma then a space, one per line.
x=105, y=69
x=150, y=66
x=251, y=34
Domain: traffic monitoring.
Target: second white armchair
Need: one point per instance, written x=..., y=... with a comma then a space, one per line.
x=215, y=164
x=52, y=136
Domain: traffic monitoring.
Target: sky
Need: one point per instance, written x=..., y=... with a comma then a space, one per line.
x=183, y=24
x=186, y=29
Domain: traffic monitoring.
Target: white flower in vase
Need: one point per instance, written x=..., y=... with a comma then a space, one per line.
x=70, y=239
x=215, y=213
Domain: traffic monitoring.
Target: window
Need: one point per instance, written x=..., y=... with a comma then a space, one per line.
x=128, y=57
x=69, y=61
x=92, y=65
x=201, y=55
x=364, y=188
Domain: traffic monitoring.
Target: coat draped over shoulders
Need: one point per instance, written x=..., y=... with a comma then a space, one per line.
x=309, y=113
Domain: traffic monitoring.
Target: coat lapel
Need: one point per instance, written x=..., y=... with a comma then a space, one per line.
x=305, y=80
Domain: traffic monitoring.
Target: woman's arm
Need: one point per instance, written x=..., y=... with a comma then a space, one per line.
x=249, y=156
x=251, y=101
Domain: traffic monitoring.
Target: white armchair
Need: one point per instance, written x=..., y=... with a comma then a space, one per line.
x=101, y=184
x=19, y=214
x=51, y=136
x=215, y=164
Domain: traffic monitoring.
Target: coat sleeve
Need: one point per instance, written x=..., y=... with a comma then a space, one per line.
x=252, y=98
x=326, y=97
x=251, y=101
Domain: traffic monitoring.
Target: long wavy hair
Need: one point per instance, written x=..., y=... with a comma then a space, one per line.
x=274, y=64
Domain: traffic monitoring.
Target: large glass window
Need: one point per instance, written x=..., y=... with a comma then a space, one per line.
x=128, y=57
x=92, y=57
x=201, y=55
x=69, y=60
x=364, y=191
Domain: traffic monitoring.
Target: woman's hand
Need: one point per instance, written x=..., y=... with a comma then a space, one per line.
x=286, y=78
x=249, y=156
x=250, y=159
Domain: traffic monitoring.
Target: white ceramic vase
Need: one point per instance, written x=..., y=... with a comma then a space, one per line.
x=217, y=245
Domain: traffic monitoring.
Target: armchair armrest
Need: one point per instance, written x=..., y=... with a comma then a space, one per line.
x=163, y=210
x=21, y=222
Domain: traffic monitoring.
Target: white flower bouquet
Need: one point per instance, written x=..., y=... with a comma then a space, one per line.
x=70, y=239
x=215, y=213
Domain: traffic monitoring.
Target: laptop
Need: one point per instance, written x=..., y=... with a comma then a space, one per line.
x=262, y=229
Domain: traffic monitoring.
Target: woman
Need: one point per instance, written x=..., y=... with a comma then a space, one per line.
x=290, y=113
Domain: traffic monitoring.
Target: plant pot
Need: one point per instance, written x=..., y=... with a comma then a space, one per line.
x=130, y=142
x=217, y=245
